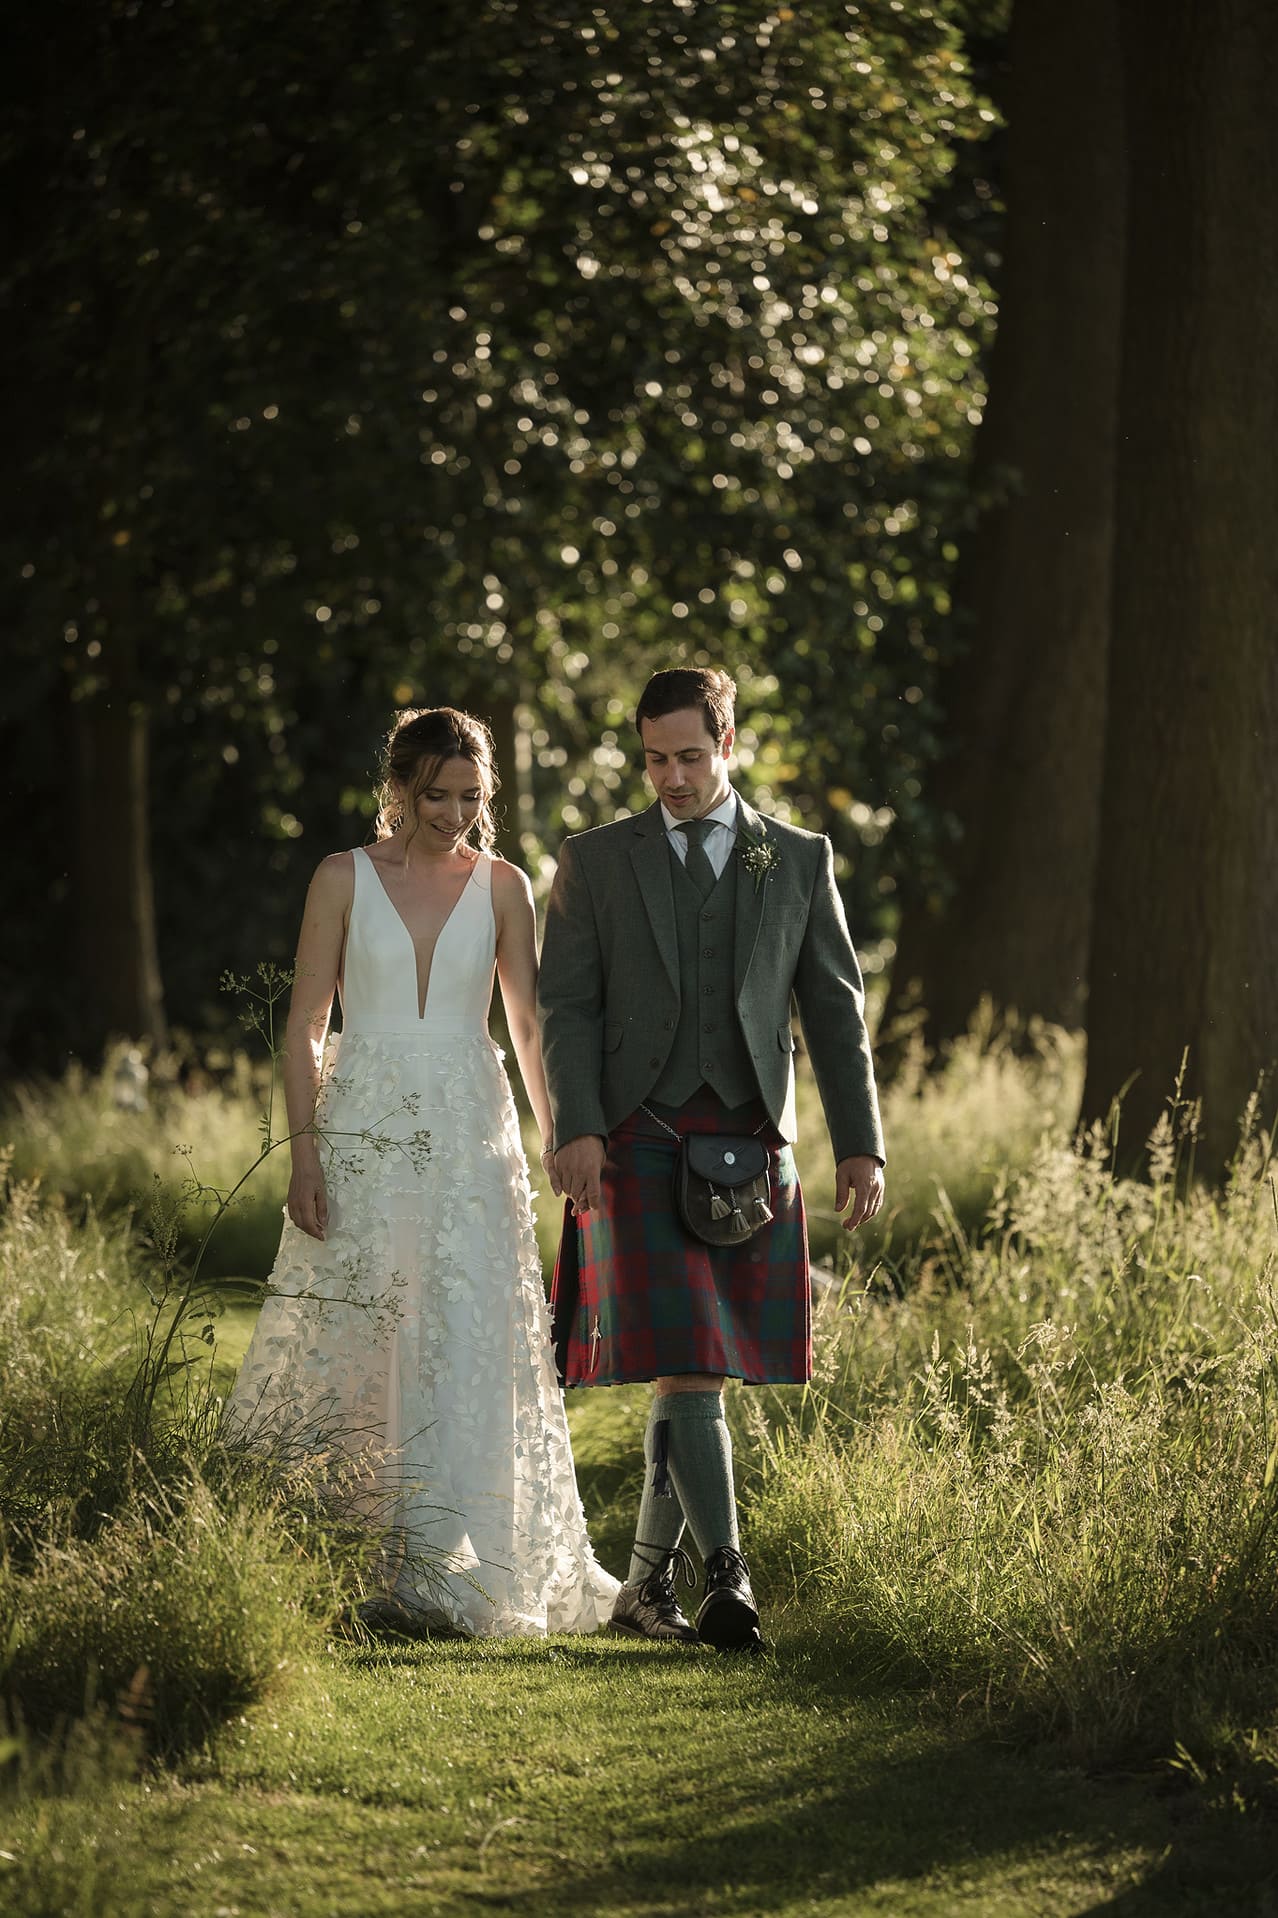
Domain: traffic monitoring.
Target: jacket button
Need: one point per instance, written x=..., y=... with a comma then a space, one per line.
x=668, y=1024
x=654, y=1062
x=707, y=952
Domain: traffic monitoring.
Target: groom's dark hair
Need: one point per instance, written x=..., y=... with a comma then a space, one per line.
x=686, y=687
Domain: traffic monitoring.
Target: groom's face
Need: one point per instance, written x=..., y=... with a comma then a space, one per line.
x=689, y=773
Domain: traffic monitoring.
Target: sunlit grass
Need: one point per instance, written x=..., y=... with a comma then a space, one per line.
x=1046, y=1478
x=953, y=1132
x=599, y=1777
x=75, y=1138
x=147, y=1554
x=1032, y=1486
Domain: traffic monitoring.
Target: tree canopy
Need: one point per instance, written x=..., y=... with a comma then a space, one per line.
x=490, y=356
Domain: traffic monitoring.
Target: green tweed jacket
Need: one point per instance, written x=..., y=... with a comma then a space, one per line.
x=609, y=987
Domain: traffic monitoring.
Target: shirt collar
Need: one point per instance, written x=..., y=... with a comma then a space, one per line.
x=724, y=815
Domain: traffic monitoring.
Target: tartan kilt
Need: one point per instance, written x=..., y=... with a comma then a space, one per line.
x=636, y=1297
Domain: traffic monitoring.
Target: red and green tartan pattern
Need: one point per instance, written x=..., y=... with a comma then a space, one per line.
x=651, y=1301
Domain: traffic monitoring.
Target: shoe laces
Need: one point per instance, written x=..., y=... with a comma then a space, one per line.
x=726, y=1562
x=673, y=1564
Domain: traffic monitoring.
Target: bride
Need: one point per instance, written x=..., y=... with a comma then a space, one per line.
x=405, y=1326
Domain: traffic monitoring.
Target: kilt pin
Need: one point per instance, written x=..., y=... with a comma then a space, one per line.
x=635, y=1297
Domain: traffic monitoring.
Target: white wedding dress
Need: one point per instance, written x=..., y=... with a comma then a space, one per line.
x=420, y=1355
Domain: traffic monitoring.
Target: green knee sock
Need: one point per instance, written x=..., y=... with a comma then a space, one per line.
x=700, y=1461
x=660, y=1525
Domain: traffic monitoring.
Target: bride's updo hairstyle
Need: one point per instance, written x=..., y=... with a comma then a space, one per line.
x=417, y=745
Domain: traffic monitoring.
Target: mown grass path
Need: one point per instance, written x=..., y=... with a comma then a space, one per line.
x=598, y=1776
x=595, y=1776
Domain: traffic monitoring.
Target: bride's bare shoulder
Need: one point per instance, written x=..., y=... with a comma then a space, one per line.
x=510, y=882
x=334, y=877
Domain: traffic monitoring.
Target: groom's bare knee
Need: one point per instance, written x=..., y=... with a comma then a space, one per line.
x=688, y=1382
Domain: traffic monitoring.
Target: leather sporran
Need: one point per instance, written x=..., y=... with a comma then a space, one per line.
x=722, y=1191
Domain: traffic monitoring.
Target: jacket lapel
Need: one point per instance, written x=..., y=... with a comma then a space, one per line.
x=751, y=898
x=650, y=857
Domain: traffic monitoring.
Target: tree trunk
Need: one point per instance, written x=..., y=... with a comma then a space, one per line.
x=1024, y=701
x=1185, y=947
x=511, y=751
x=121, y=995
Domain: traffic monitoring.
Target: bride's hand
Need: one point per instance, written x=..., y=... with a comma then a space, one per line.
x=307, y=1202
x=548, y=1167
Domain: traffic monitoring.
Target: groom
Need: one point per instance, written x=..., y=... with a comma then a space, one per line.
x=674, y=941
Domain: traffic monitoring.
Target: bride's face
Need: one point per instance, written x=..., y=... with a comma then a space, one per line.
x=448, y=803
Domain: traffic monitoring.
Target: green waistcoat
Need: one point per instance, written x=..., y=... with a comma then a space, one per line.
x=709, y=1047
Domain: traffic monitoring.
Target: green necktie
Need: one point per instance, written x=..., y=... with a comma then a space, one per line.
x=697, y=864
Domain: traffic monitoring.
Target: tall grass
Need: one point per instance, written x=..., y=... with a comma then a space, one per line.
x=73, y=1137
x=1046, y=1479
x=954, y=1132
x=146, y=1553
x=184, y=1607
x=1036, y=1471
x=63, y=1858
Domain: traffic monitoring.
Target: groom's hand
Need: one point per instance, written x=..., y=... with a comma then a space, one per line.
x=861, y=1180
x=579, y=1165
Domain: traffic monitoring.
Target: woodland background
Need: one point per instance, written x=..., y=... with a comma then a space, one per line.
x=918, y=363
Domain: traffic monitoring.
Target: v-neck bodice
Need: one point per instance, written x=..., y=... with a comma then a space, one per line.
x=379, y=974
x=411, y=1344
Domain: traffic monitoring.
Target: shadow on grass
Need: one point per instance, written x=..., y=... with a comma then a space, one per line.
x=799, y=1782
x=796, y=1782
x=972, y=1793
x=959, y=1816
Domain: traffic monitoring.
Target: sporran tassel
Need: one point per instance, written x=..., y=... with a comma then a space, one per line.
x=763, y=1212
x=719, y=1208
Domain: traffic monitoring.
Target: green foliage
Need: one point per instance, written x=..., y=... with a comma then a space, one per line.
x=141, y=1547
x=576, y=231
x=957, y=1129
x=151, y=1550
x=186, y=1605
x=1047, y=1478
x=494, y=356
x=75, y=1137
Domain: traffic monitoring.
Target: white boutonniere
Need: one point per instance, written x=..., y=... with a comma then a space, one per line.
x=759, y=857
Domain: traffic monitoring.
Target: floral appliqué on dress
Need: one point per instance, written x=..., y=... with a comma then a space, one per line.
x=412, y=1344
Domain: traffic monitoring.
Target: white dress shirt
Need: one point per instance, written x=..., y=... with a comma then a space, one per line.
x=718, y=842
